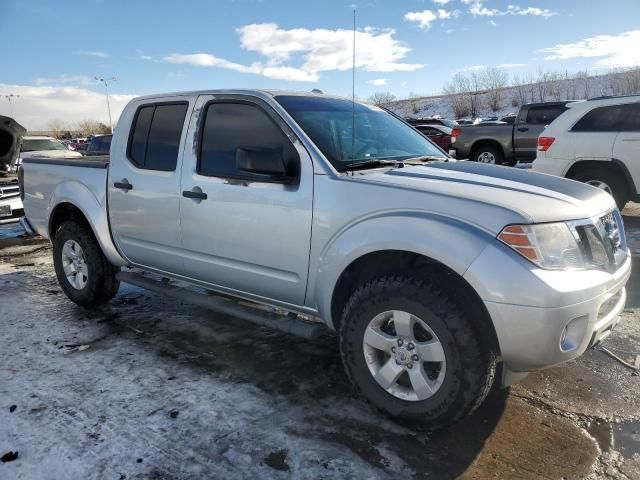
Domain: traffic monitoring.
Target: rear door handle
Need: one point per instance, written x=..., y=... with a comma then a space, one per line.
x=123, y=185
x=523, y=129
x=196, y=194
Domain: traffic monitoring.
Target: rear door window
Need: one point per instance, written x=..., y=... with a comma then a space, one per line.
x=602, y=119
x=544, y=115
x=155, y=139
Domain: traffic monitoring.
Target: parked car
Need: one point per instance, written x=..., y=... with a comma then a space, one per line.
x=431, y=271
x=432, y=121
x=439, y=134
x=11, y=134
x=506, y=144
x=99, y=145
x=464, y=121
x=42, y=146
x=597, y=142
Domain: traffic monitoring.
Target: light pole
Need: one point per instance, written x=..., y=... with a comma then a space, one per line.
x=106, y=91
x=11, y=97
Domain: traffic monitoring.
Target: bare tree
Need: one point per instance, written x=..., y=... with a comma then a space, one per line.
x=57, y=127
x=382, y=99
x=475, y=89
x=457, y=93
x=91, y=127
x=494, y=80
x=414, y=102
x=520, y=84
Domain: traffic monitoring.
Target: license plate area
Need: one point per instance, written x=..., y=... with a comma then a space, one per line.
x=5, y=211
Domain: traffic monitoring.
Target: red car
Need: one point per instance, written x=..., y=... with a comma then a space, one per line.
x=438, y=134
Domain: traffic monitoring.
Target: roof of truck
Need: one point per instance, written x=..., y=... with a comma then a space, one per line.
x=255, y=92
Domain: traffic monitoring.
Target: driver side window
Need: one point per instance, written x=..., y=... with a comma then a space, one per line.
x=229, y=127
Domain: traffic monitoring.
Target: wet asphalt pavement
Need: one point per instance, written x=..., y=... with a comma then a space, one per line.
x=147, y=387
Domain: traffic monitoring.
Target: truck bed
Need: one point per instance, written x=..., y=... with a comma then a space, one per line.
x=85, y=162
x=79, y=178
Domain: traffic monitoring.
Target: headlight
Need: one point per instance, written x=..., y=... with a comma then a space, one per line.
x=548, y=245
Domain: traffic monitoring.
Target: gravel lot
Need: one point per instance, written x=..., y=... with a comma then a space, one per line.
x=147, y=387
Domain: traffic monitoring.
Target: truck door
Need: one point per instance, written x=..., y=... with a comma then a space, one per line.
x=529, y=125
x=627, y=144
x=242, y=230
x=144, y=184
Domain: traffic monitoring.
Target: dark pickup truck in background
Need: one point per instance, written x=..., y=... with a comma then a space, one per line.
x=506, y=144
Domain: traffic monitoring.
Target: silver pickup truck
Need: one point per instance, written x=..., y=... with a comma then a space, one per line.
x=439, y=276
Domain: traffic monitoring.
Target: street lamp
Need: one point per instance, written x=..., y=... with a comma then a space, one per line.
x=106, y=91
x=11, y=97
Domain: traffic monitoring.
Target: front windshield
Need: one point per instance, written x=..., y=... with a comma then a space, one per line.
x=378, y=134
x=36, y=145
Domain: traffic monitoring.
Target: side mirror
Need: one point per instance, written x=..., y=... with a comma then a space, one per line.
x=264, y=164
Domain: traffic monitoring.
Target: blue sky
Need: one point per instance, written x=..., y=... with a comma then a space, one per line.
x=404, y=46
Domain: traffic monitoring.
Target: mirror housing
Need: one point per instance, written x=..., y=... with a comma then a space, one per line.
x=264, y=165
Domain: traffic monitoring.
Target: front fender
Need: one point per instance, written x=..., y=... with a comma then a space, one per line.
x=449, y=241
x=81, y=197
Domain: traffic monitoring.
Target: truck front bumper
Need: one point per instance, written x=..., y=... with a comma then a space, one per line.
x=559, y=316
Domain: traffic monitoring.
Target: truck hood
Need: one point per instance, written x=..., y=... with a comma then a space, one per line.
x=532, y=197
x=10, y=134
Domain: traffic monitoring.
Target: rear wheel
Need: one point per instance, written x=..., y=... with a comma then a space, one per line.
x=413, y=351
x=84, y=273
x=488, y=154
x=605, y=180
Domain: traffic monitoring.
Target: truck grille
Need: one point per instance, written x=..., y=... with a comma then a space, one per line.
x=603, y=242
x=9, y=191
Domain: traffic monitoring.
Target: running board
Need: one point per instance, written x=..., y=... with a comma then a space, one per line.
x=285, y=323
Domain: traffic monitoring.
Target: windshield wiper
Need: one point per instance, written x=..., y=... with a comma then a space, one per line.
x=359, y=165
x=424, y=158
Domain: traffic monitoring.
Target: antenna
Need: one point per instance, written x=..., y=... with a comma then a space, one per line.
x=353, y=94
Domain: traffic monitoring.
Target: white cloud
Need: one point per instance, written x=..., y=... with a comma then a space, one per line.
x=92, y=53
x=478, y=9
x=512, y=65
x=378, y=82
x=66, y=79
x=146, y=57
x=492, y=23
x=316, y=51
x=441, y=2
x=613, y=50
x=425, y=18
x=473, y=68
x=37, y=105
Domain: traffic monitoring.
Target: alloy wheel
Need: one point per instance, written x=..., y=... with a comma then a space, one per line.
x=404, y=355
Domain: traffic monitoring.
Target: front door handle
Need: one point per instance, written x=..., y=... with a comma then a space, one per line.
x=123, y=185
x=196, y=194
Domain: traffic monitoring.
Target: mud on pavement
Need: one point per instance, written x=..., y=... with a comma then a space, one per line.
x=148, y=387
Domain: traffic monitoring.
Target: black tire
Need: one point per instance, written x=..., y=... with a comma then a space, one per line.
x=101, y=284
x=490, y=149
x=470, y=360
x=619, y=190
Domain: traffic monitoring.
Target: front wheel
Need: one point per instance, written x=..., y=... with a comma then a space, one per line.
x=84, y=273
x=413, y=351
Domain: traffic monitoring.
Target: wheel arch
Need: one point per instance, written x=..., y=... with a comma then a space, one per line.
x=374, y=245
x=486, y=142
x=613, y=165
x=76, y=201
x=385, y=262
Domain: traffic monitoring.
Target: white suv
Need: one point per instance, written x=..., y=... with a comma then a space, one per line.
x=597, y=142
